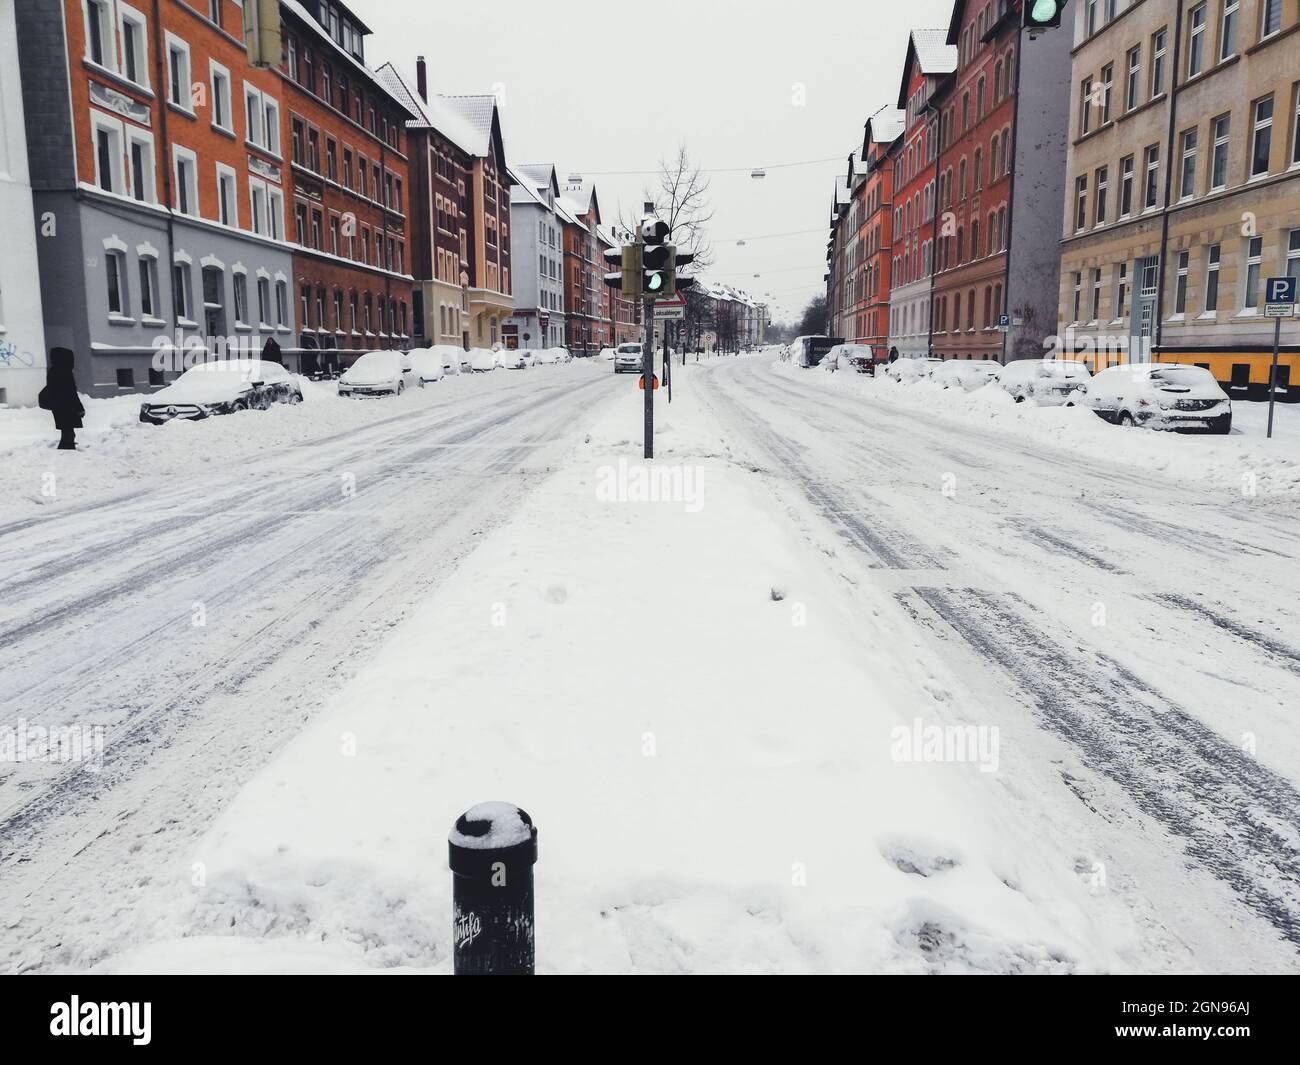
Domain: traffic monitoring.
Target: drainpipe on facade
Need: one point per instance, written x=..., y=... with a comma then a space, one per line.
x=934, y=243
x=160, y=83
x=1011, y=194
x=1174, y=90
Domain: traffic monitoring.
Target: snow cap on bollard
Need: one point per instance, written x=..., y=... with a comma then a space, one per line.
x=491, y=851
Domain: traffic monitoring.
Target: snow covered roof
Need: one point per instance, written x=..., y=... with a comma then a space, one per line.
x=885, y=126
x=338, y=50
x=569, y=211
x=435, y=113
x=933, y=56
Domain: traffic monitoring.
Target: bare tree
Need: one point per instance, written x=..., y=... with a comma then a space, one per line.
x=682, y=200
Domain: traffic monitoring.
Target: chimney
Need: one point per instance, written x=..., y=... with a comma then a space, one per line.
x=422, y=78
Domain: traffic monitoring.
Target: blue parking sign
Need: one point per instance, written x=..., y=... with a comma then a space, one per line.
x=1281, y=290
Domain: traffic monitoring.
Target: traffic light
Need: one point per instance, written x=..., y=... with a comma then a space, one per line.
x=680, y=259
x=628, y=276
x=1042, y=15
x=657, y=271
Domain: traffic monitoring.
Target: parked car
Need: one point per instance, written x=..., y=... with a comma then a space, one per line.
x=1172, y=396
x=452, y=356
x=212, y=388
x=628, y=358
x=607, y=354
x=966, y=374
x=547, y=356
x=426, y=366
x=1048, y=382
x=481, y=360
x=376, y=373
x=514, y=359
x=849, y=357
x=908, y=371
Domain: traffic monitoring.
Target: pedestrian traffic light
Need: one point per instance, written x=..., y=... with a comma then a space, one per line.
x=1042, y=15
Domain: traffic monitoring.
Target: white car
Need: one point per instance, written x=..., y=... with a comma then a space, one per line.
x=549, y=356
x=1048, y=382
x=628, y=358
x=849, y=357
x=453, y=357
x=221, y=387
x=607, y=354
x=908, y=371
x=1173, y=396
x=426, y=366
x=376, y=373
x=966, y=374
x=481, y=360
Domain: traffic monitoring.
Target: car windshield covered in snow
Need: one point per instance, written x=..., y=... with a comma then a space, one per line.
x=1182, y=377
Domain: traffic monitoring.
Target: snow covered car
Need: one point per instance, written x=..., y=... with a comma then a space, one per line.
x=967, y=374
x=1048, y=382
x=452, y=357
x=628, y=358
x=849, y=357
x=376, y=373
x=482, y=360
x=1173, y=396
x=426, y=366
x=515, y=359
x=212, y=388
x=607, y=354
x=549, y=356
x=909, y=371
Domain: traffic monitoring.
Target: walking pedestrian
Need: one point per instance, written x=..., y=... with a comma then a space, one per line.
x=59, y=397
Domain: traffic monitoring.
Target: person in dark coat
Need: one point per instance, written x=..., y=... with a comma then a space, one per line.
x=59, y=397
x=271, y=351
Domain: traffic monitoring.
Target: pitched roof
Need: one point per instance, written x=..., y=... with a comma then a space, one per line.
x=933, y=56
x=435, y=113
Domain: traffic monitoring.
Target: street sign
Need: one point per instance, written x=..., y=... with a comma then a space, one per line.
x=1279, y=303
x=671, y=310
x=1280, y=297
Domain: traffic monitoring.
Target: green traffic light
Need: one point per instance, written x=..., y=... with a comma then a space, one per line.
x=654, y=282
x=1043, y=10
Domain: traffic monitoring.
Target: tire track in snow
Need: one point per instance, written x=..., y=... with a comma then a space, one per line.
x=1236, y=818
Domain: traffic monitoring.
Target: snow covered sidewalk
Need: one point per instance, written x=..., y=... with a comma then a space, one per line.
x=728, y=768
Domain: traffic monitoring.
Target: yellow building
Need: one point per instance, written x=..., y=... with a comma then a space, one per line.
x=1183, y=185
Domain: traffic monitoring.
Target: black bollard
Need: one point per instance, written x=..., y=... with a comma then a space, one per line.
x=491, y=851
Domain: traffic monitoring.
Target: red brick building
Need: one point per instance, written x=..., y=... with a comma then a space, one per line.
x=977, y=116
x=348, y=182
x=929, y=63
x=874, y=195
x=587, y=328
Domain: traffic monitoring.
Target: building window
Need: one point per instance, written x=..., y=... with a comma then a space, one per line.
x=143, y=174
x=1254, y=260
x=186, y=175
x=1085, y=107
x=178, y=74
x=115, y=271
x=1271, y=18
x=1180, y=286
x=1228, y=29
x=109, y=174
x=135, y=47
x=1293, y=253
x=148, y=287
x=227, y=197
x=1081, y=204
x=282, y=303
x=264, y=301
x=181, y=284
x=1196, y=41
x=221, y=116
x=257, y=204
x=1107, y=93
x=1096, y=294
x=1295, y=129
x=1078, y=295
x=1121, y=291
x=1103, y=188
x=1187, y=189
x=1262, y=139
x=99, y=34
x=1213, y=255
x=1151, y=198
x=1133, y=87
x=1126, y=187
x=1159, y=49
x=214, y=304
x=275, y=213
x=1221, y=126
x=241, y=299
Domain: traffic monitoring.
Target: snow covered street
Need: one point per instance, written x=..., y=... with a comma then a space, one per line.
x=922, y=695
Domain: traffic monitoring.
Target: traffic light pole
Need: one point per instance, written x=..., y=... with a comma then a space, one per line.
x=648, y=369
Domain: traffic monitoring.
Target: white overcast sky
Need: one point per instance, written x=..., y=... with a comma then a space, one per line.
x=578, y=93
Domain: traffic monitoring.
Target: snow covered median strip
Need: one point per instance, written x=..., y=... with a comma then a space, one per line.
x=726, y=768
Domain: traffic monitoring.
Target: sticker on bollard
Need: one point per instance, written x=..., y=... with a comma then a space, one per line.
x=491, y=852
